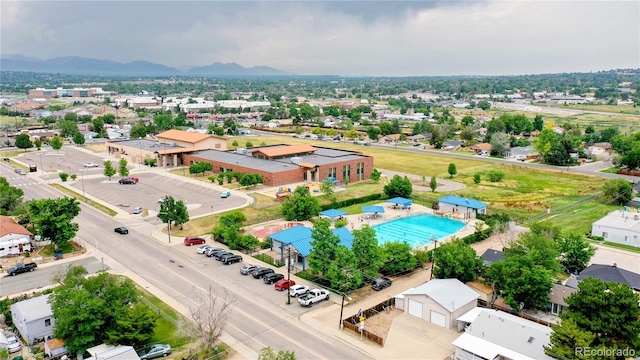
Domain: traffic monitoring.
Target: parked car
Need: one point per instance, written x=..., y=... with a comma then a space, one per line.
x=272, y=278
x=121, y=230
x=313, y=296
x=211, y=252
x=283, y=284
x=521, y=157
x=231, y=259
x=260, y=272
x=162, y=199
x=156, y=351
x=225, y=194
x=367, y=144
x=13, y=344
x=381, y=283
x=247, y=269
x=218, y=256
x=202, y=249
x=127, y=181
x=193, y=240
x=297, y=290
x=91, y=165
x=22, y=268
x=137, y=210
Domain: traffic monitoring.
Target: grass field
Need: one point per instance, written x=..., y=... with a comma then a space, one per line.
x=622, y=109
x=171, y=327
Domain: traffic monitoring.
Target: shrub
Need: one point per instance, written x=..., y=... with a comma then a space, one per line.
x=341, y=223
x=151, y=162
x=476, y=178
x=64, y=176
x=597, y=238
x=495, y=175
x=349, y=202
x=27, y=254
x=74, y=176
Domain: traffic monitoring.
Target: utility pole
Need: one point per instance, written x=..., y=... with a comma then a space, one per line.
x=433, y=259
x=289, y=274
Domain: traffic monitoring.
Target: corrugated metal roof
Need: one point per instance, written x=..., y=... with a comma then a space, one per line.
x=456, y=200
x=300, y=238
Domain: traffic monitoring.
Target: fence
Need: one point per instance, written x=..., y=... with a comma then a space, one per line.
x=351, y=322
x=484, y=304
x=559, y=209
x=159, y=311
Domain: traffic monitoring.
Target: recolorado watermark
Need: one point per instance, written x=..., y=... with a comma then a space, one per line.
x=605, y=352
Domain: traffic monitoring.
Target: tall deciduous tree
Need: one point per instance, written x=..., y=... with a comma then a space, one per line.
x=521, y=282
x=53, y=219
x=369, y=257
x=11, y=198
x=56, y=143
x=270, y=354
x=617, y=191
x=343, y=272
x=210, y=313
x=67, y=128
x=324, y=247
x=575, y=252
x=456, y=260
x=398, y=187
x=123, y=170
x=23, y=142
x=484, y=105
x=181, y=213
x=78, y=138
x=541, y=249
x=397, y=258
x=37, y=143
x=109, y=170
x=301, y=205
x=172, y=211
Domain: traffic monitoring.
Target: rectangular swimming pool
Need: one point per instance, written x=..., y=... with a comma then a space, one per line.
x=417, y=230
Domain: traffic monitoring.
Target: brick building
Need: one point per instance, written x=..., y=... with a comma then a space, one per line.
x=286, y=164
x=42, y=93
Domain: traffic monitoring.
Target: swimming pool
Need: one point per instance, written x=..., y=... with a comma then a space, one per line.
x=417, y=230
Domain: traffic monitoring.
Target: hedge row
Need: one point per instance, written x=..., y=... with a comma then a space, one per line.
x=349, y=202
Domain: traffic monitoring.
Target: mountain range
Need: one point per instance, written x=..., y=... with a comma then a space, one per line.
x=89, y=66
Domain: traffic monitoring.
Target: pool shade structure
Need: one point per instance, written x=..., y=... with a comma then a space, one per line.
x=400, y=201
x=333, y=213
x=375, y=210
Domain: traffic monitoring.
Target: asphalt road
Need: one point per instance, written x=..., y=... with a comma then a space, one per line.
x=259, y=315
x=33, y=281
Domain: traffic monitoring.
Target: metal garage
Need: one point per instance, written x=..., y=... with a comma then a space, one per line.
x=437, y=318
x=415, y=308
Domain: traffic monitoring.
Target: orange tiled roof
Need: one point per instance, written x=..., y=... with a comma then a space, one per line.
x=307, y=164
x=8, y=226
x=482, y=146
x=286, y=150
x=186, y=136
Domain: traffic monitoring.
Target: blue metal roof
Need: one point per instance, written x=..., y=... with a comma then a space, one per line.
x=333, y=213
x=456, y=200
x=372, y=209
x=400, y=200
x=300, y=238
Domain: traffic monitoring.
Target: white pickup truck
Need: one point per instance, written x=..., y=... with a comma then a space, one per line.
x=313, y=296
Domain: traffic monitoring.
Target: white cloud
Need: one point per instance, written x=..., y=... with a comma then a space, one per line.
x=350, y=38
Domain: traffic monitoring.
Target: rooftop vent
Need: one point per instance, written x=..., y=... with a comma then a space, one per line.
x=172, y=144
x=296, y=160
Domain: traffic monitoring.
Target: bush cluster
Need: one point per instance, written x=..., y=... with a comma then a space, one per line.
x=349, y=202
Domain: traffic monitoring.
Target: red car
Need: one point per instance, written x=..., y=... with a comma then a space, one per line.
x=193, y=240
x=284, y=284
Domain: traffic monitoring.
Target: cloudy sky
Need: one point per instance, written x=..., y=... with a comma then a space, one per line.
x=386, y=38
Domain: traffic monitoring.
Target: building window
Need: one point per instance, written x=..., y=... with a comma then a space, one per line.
x=605, y=235
x=47, y=322
x=626, y=239
x=346, y=173
x=332, y=172
x=217, y=146
x=360, y=171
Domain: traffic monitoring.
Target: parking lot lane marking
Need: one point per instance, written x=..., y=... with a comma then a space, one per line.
x=247, y=315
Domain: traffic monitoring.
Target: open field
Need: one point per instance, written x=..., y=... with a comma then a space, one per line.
x=622, y=109
x=11, y=120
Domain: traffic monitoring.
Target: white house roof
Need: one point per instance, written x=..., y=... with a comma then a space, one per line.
x=498, y=333
x=618, y=219
x=34, y=309
x=451, y=294
x=472, y=314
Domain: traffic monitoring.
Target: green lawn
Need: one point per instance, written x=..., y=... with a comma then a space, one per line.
x=171, y=326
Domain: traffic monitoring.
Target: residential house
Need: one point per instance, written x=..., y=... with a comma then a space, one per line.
x=439, y=301
x=611, y=273
x=518, y=151
x=484, y=291
x=599, y=149
x=451, y=145
x=470, y=208
x=493, y=335
x=389, y=139
x=417, y=138
x=14, y=238
x=111, y=352
x=491, y=256
x=559, y=292
x=481, y=148
x=33, y=318
x=297, y=239
x=619, y=226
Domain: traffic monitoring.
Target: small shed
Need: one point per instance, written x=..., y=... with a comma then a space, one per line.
x=54, y=347
x=470, y=208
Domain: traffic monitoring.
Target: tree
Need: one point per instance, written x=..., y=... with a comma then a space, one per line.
x=617, y=191
x=452, y=169
x=540, y=249
x=300, y=205
x=71, y=116
x=545, y=141
x=368, y=253
x=397, y=258
x=575, y=252
x=433, y=184
x=375, y=175
x=109, y=170
x=476, y=179
x=324, y=247
x=23, y=142
x=173, y=211
x=97, y=309
x=37, y=143
x=467, y=121
x=250, y=179
x=373, y=133
x=499, y=143
x=522, y=283
x=228, y=227
x=181, y=214
x=56, y=143
x=11, y=198
x=607, y=309
x=565, y=338
x=269, y=354
x=78, y=138
x=249, y=144
x=538, y=123
x=138, y=132
x=342, y=271
x=457, y=260
x=398, y=187
x=123, y=170
x=68, y=128
x=53, y=219
x=200, y=167
x=210, y=314
x=326, y=187
x=484, y=105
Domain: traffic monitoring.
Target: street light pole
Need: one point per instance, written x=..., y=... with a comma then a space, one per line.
x=433, y=259
x=342, y=309
x=288, y=274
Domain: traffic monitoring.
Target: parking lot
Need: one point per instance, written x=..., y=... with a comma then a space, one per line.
x=151, y=187
x=68, y=159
